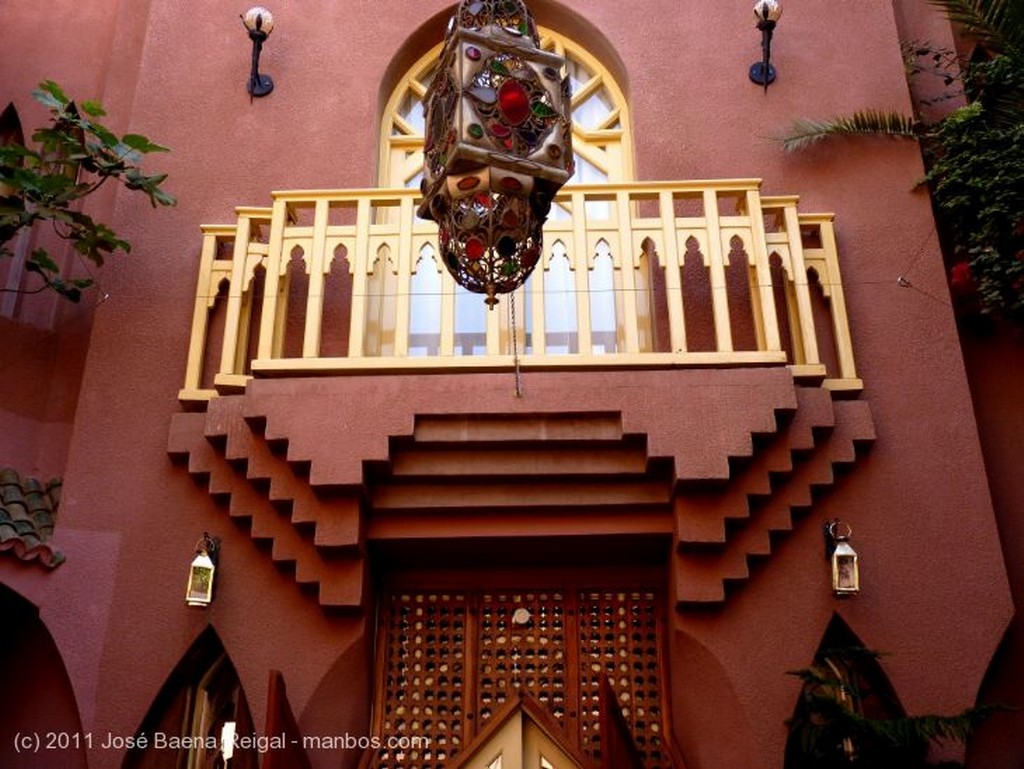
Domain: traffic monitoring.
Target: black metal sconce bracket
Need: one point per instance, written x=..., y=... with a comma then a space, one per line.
x=259, y=85
x=762, y=72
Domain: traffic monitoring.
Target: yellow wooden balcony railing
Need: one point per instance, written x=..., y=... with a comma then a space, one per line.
x=647, y=274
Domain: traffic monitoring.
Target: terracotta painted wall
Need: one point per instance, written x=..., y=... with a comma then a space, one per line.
x=43, y=353
x=935, y=592
x=41, y=374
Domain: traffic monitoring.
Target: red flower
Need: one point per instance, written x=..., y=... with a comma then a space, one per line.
x=960, y=279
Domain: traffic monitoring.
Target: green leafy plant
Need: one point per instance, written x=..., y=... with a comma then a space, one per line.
x=976, y=173
x=74, y=156
x=996, y=24
x=806, y=132
x=974, y=156
x=842, y=721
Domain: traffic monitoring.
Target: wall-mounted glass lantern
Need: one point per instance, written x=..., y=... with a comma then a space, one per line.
x=200, y=574
x=844, y=559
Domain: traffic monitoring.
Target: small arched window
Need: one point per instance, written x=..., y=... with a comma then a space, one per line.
x=848, y=713
x=10, y=127
x=200, y=696
x=10, y=274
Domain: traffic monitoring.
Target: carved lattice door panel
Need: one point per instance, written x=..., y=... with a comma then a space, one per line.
x=451, y=660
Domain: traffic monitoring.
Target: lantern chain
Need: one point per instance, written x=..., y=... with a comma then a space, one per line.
x=515, y=345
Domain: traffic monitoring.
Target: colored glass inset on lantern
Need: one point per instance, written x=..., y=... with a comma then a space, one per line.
x=498, y=145
x=513, y=103
x=510, y=16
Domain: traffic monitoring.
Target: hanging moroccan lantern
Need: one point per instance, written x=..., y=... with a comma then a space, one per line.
x=498, y=145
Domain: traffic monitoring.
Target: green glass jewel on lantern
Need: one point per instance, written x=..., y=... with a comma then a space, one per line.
x=498, y=145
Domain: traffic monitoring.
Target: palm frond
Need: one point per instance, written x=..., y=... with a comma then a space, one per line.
x=996, y=24
x=865, y=123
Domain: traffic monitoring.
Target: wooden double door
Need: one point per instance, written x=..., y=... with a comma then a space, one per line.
x=450, y=661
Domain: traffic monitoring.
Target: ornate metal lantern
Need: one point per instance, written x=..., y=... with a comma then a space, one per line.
x=498, y=145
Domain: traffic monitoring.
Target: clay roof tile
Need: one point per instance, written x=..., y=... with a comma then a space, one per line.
x=28, y=513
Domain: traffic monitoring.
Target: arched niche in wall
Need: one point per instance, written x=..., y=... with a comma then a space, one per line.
x=35, y=690
x=338, y=704
x=996, y=742
x=201, y=694
x=710, y=721
x=845, y=687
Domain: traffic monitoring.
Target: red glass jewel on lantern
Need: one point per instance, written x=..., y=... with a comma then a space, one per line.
x=498, y=145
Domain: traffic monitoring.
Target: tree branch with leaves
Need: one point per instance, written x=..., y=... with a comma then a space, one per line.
x=75, y=155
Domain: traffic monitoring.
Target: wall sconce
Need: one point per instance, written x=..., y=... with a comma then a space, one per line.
x=767, y=13
x=260, y=23
x=200, y=575
x=845, y=568
x=498, y=145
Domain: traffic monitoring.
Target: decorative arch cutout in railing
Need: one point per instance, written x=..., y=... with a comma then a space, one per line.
x=639, y=275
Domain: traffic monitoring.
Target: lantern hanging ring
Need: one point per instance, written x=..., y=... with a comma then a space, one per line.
x=840, y=531
x=206, y=544
x=199, y=591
